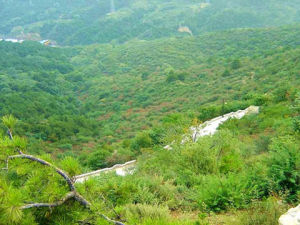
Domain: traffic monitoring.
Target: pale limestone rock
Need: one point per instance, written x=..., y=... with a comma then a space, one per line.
x=292, y=217
x=119, y=169
x=210, y=127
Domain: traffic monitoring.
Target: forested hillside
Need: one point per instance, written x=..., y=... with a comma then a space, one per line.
x=104, y=95
x=248, y=173
x=103, y=21
x=152, y=69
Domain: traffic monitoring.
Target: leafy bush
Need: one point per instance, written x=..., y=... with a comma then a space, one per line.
x=284, y=165
x=236, y=64
x=173, y=76
x=142, y=140
x=226, y=73
x=218, y=193
x=97, y=159
x=71, y=166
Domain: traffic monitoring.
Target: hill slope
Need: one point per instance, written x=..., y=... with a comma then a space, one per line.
x=102, y=21
x=120, y=90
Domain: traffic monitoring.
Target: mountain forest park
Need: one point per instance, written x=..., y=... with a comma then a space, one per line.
x=159, y=112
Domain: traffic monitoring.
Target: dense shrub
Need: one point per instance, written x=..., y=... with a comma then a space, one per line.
x=284, y=166
x=236, y=64
x=173, y=76
x=217, y=193
x=142, y=140
x=97, y=159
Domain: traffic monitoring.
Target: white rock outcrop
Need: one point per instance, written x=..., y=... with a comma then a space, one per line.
x=210, y=127
x=292, y=217
x=119, y=169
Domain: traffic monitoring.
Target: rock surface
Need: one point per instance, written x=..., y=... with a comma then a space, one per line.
x=292, y=217
x=119, y=169
x=210, y=127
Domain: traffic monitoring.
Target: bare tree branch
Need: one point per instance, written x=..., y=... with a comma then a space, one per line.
x=50, y=205
x=110, y=207
x=9, y=133
x=111, y=221
x=68, y=196
x=72, y=194
x=43, y=162
x=82, y=200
